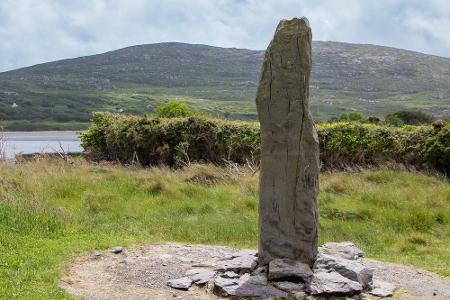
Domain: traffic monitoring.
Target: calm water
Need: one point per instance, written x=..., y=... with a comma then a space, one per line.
x=39, y=142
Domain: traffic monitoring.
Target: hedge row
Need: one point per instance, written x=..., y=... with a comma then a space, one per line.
x=156, y=141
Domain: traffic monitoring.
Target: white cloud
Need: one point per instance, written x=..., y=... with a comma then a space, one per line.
x=37, y=31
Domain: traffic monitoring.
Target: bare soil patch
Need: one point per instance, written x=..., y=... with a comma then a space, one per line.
x=142, y=274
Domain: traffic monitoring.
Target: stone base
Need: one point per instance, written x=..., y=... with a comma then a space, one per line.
x=338, y=271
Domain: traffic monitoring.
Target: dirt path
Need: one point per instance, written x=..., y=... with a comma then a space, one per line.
x=143, y=273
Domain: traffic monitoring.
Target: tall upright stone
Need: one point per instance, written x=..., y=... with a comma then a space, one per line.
x=288, y=218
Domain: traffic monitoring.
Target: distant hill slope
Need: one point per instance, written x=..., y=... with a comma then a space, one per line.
x=372, y=79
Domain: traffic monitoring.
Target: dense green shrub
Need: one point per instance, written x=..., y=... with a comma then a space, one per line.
x=153, y=140
x=173, y=109
x=408, y=118
x=352, y=116
x=437, y=149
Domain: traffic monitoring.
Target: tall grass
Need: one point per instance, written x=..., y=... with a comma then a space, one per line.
x=52, y=211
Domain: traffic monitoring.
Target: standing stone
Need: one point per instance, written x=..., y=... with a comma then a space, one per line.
x=290, y=149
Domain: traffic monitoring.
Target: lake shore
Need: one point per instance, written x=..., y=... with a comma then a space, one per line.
x=19, y=143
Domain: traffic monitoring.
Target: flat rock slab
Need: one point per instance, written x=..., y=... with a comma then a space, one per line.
x=346, y=250
x=140, y=274
x=286, y=268
x=239, y=262
x=332, y=283
x=201, y=276
x=183, y=283
x=289, y=286
x=253, y=290
x=351, y=269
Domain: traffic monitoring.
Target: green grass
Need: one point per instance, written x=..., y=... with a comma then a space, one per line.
x=52, y=211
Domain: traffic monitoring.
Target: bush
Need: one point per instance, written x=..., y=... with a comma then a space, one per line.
x=408, y=118
x=173, y=109
x=168, y=141
x=352, y=116
x=437, y=150
x=155, y=141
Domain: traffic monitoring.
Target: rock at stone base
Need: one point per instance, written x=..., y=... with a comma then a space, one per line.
x=253, y=290
x=346, y=250
x=382, y=289
x=244, y=253
x=333, y=283
x=230, y=274
x=351, y=269
x=260, y=279
x=289, y=286
x=221, y=282
x=298, y=295
x=239, y=264
x=117, y=250
x=180, y=283
x=201, y=276
x=260, y=270
x=96, y=254
x=286, y=268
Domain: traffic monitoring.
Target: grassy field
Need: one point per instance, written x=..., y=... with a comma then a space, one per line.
x=52, y=211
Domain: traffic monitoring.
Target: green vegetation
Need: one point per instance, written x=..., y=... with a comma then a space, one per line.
x=173, y=109
x=408, y=118
x=222, y=82
x=155, y=141
x=166, y=141
x=352, y=116
x=52, y=211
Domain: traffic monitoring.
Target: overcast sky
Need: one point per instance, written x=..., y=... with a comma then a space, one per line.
x=36, y=31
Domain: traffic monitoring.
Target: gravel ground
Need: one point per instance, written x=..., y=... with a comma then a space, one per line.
x=142, y=274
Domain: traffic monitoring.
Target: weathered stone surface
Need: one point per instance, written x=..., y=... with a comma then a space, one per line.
x=239, y=264
x=382, y=289
x=351, y=269
x=222, y=282
x=333, y=283
x=260, y=270
x=298, y=295
x=230, y=274
x=180, y=283
x=290, y=148
x=346, y=250
x=260, y=279
x=253, y=290
x=201, y=276
x=246, y=286
x=289, y=269
x=289, y=286
x=245, y=252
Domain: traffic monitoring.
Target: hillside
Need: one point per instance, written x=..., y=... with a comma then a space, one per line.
x=367, y=78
